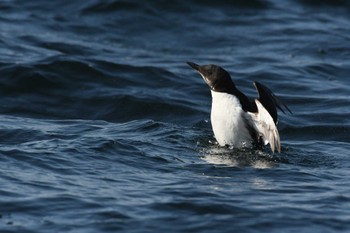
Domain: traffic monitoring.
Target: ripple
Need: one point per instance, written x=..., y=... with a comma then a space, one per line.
x=103, y=127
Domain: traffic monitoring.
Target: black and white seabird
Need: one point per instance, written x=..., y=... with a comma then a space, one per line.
x=236, y=120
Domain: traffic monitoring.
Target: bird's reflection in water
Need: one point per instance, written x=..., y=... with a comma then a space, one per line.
x=239, y=157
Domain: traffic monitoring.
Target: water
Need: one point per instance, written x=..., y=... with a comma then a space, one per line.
x=104, y=128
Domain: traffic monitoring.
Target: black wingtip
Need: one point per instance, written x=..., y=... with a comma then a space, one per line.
x=270, y=101
x=286, y=107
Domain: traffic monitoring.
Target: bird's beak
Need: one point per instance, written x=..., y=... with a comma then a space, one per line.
x=194, y=65
x=200, y=70
x=203, y=71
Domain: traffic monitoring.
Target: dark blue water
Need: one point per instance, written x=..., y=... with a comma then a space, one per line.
x=104, y=128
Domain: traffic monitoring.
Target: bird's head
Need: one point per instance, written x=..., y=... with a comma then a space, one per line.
x=217, y=78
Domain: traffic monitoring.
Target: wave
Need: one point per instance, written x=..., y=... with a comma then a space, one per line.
x=93, y=90
x=118, y=6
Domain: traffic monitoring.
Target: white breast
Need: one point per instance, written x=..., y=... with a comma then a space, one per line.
x=227, y=121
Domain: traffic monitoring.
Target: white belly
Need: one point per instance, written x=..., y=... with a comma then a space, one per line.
x=227, y=122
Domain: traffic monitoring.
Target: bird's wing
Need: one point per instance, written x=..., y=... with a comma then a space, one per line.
x=270, y=101
x=265, y=127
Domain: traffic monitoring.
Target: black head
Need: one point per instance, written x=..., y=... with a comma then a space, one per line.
x=217, y=78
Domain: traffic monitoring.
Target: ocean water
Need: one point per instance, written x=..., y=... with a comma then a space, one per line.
x=104, y=128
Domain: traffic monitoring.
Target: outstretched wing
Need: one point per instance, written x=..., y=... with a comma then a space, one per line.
x=270, y=101
x=265, y=127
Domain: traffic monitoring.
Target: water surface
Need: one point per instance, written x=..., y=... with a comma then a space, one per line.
x=104, y=127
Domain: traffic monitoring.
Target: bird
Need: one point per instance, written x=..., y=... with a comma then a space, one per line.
x=237, y=120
